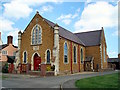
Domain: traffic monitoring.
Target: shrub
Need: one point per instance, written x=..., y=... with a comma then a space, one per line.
x=5, y=68
x=48, y=68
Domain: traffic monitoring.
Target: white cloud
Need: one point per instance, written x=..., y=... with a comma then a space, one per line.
x=113, y=54
x=97, y=15
x=64, y=16
x=17, y=10
x=116, y=33
x=14, y=33
x=22, y=8
x=66, y=21
x=6, y=25
x=46, y=9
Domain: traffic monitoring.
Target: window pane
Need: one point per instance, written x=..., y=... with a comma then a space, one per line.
x=81, y=56
x=65, y=53
x=74, y=54
x=33, y=37
x=48, y=56
x=39, y=39
x=25, y=57
x=36, y=35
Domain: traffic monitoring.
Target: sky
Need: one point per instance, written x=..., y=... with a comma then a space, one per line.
x=75, y=16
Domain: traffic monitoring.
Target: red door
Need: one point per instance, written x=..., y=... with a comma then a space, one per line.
x=37, y=61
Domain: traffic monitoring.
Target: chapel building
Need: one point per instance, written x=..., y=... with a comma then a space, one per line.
x=43, y=41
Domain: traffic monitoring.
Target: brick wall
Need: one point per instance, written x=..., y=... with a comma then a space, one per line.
x=67, y=67
x=47, y=40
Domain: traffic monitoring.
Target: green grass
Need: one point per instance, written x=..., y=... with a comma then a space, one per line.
x=3, y=77
x=106, y=81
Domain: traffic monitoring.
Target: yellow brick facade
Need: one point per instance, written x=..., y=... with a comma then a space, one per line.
x=47, y=40
x=48, y=43
x=96, y=52
x=66, y=68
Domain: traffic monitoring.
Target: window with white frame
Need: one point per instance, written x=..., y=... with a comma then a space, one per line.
x=36, y=35
x=65, y=53
x=81, y=55
x=4, y=52
x=25, y=57
x=48, y=56
x=104, y=53
x=75, y=55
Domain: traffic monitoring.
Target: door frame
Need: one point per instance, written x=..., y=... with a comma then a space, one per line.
x=32, y=60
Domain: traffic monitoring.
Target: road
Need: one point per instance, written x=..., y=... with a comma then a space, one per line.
x=46, y=82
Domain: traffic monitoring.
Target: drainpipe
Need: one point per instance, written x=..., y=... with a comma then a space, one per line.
x=78, y=58
x=71, y=59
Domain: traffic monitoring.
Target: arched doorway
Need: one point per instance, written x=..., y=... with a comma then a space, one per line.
x=36, y=61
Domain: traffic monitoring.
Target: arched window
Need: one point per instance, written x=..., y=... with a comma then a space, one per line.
x=36, y=35
x=81, y=55
x=65, y=53
x=25, y=57
x=75, y=56
x=48, y=56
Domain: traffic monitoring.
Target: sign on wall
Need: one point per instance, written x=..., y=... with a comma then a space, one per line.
x=35, y=48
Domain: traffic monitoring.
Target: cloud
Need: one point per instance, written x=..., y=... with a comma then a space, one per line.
x=97, y=15
x=66, y=19
x=14, y=33
x=6, y=25
x=17, y=10
x=22, y=8
x=113, y=54
x=64, y=16
x=46, y=9
x=116, y=33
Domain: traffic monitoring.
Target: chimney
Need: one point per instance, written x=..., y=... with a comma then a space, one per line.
x=10, y=40
x=119, y=55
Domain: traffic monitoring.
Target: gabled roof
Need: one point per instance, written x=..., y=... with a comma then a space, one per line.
x=113, y=60
x=65, y=33
x=5, y=45
x=91, y=38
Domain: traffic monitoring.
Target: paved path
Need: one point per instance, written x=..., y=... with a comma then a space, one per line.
x=46, y=82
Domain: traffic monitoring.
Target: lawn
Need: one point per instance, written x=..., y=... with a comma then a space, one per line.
x=106, y=81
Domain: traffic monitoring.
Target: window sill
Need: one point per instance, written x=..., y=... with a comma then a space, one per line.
x=35, y=44
x=81, y=63
x=65, y=63
x=75, y=63
x=48, y=63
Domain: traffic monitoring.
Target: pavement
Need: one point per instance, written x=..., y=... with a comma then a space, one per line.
x=66, y=81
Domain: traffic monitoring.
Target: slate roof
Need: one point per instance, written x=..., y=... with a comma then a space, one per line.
x=65, y=33
x=91, y=38
x=5, y=45
x=113, y=59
